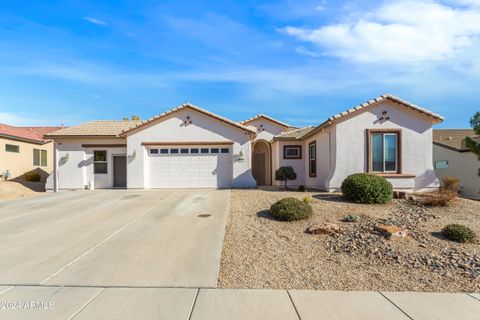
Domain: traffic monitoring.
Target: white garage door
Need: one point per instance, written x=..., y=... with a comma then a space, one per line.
x=205, y=166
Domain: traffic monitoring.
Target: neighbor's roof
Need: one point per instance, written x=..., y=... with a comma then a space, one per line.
x=294, y=134
x=261, y=115
x=193, y=107
x=385, y=97
x=453, y=139
x=104, y=128
x=29, y=134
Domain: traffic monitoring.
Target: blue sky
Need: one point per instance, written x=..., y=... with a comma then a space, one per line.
x=300, y=61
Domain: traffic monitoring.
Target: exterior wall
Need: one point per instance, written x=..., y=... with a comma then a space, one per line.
x=19, y=163
x=463, y=165
x=202, y=129
x=75, y=163
x=297, y=164
x=325, y=141
x=270, y=129
x=351, y=145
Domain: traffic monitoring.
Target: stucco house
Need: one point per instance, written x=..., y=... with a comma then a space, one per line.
x=191, y=147
x=23, y=149
x=452, y=158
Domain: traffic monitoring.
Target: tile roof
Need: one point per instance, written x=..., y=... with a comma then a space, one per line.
x=261, y=115
x=193, y=107
x=32, y=134
x=107, y=128
x=294, y=133
x=334, y=118
x=453, y=138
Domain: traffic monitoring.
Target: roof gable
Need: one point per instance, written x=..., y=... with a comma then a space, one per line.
x=264, y=116
x=184, y=106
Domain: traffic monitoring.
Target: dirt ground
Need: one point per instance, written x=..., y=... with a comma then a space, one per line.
x=15, y=189
x=260, y=252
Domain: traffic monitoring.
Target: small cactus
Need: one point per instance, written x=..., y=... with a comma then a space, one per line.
x=351, y=218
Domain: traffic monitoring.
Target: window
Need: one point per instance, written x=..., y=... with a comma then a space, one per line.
x=173, y=151
x=442, y=164
x=163, y=151
x=224, y=150
x=12, y=148
x=292, y=152
x=43, y=158
x=36, y=157
x=214, y=150
x=153, y=151
x=194, y=150
x=204, y=150
x=183, y=150
x=100, y=162
x=312, y=159
x=384, y=152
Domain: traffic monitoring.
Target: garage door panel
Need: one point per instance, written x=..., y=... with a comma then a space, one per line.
x=190, y=170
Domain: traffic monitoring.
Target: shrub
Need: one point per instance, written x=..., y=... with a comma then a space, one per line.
x=290, y=209
x=32, y=176
x=451, y=183
x=284, y=174
x=438, y=198
x=458, y=232
x=367, y=188
x=301, y=188
x=307, y=199
x=351, y=218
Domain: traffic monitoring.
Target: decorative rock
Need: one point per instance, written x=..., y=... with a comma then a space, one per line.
x=325, y=228
x=392, y=231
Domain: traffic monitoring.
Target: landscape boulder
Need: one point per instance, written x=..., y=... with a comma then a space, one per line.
x=325, y=228
x=391, y=232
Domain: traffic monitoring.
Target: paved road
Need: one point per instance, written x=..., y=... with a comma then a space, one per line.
x=90, y=303
x=138, y=238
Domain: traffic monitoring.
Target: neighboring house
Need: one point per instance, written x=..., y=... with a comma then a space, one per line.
x=190, y=147
x=23, y=149
x=452, y=158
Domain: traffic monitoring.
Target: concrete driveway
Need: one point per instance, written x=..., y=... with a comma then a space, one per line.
x=110, y=238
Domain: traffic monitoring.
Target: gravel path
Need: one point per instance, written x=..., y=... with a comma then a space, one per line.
x=260, y=252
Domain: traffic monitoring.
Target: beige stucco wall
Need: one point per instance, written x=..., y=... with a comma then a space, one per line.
x=19, y=163
x=463, y=165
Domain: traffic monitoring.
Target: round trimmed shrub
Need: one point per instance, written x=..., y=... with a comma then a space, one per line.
x=290, y=209
x=367, y=188
x=458, y=232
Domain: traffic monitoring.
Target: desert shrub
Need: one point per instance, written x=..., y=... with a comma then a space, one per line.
x=438, y=198
x=351, y=218
x=307, y=199
x=367, y=188
x=32, y=176
x=451, y=183
x=290, y=209
x=301, y=188
x=284, y=174
x=458, y=232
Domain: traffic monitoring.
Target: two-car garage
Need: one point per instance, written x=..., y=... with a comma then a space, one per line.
x=188, y=166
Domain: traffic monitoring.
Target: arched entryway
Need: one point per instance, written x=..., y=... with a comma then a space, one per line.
x=262, y=162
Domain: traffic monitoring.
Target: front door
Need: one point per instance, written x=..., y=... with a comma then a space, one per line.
x=258, y=168
x=119, y=171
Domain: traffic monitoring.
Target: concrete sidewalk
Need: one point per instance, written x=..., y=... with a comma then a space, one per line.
x=51, y=302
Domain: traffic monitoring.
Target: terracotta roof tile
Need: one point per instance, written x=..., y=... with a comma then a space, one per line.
x=453, y=138
x=294, y=134
x=108, y=128
x=34, y=134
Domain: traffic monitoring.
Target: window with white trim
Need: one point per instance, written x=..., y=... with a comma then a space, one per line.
x=100, y=164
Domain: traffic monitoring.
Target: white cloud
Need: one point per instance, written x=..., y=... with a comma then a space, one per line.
x=307, y=52
x=399, y=32
x=95, y=21
x=18, y=119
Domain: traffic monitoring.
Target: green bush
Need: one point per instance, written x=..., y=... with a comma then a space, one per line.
x=307, y=199
x=32, y=176
x=458, y=232
x=284, y=174
x=367, y=188
x=301, y=188
x=351, y=218
x=290, y=209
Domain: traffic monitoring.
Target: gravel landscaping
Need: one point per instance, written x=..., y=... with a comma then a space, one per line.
x=260, y=252
x=15, y=189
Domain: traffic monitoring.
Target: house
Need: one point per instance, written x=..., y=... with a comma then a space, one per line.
x=452, y=158
x=191, y=147
x=23, y=149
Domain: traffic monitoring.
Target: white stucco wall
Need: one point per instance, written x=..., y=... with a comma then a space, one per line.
x=297, y=164
x=75, y=163
x=463, y=165
x=351, y=147
x=202, y=129
x=270, y=129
